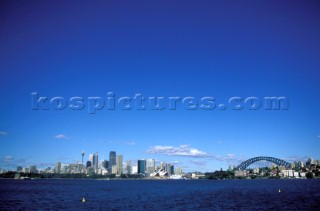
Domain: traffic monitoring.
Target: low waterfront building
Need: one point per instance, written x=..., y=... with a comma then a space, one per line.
x=240, y=173
x=288, y=173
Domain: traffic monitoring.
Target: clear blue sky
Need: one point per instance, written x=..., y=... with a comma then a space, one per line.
x=159, y=48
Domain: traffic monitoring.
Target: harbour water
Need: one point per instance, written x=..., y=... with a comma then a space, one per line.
x=68, y=194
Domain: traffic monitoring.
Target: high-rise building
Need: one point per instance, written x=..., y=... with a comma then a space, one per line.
x=103, y=164
x=134, y=169
x=168, y=168
x=57, y=168
x=93, y=158
x=128, y=167
x=310, y=162
x=114, y=169
x=172, y=169
x=112, y=160
x=119, y=164
x=106, y=164
x=178, y=170
x=33, y=169
x=151, y=164
x=141, y=166
x=64, y=168
x=162, y=165
x=26, y=170
x=88, y=164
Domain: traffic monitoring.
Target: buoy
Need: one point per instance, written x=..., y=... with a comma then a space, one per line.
x=279, y=191
x=83, y=200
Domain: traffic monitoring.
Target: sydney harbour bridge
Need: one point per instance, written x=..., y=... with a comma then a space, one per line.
x=245, y=164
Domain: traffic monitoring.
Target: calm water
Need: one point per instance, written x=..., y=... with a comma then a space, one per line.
x=157, y=195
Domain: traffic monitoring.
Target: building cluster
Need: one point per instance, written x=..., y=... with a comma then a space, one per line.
x=297, y=169
x=148, y=168
x=115, y=165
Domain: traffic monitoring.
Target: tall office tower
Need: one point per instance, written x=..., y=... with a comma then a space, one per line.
x=119, y=164
x=128, y=167
x=103, y=164
x=89, y=164
x=33, y=169
x=168, y=168
x=106, y=164
x=57, y=168
x=301, y=164
x=134, y=169
x=112, y=158
x=178, y=170
x=161, y=165
x=310, y=161
x=141, y=166
x=82, y=153
x=172, y=169
x=95, y=161
x=114, y=169
x=151, y=165
x=93, y=158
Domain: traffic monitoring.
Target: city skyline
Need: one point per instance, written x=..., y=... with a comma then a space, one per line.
x=149, y=168
x=167, y=48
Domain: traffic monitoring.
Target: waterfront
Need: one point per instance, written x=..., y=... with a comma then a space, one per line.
x=64, y=194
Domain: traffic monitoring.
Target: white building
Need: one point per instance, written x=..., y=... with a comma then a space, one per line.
x=64, y=168
x=93, y=158
x=134, y=169
x=151, y=166
x=240, y=173
x=288, y=173
x=128, y=167
x=178, y=170
x=114, y=169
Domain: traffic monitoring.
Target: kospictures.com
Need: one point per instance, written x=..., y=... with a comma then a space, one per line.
x=139, y=102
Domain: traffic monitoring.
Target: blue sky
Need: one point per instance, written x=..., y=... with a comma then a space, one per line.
x=220, y=49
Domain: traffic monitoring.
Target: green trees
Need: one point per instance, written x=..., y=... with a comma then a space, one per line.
x=309, y=175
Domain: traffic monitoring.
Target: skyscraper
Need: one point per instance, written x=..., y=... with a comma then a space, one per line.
x=57, y=168
x=89, y=164
x=172, y=169
x=168, y=168
x=151, y=164
x=112, y=158
x=162, y=165
x=103, y=164
x=128, y=167
x=93, y=158
x=141, y=166
x=119, y=164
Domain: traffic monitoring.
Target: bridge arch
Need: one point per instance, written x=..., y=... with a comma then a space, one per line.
x=250, y=161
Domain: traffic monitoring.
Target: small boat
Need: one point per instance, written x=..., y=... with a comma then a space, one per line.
x=25, y=178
